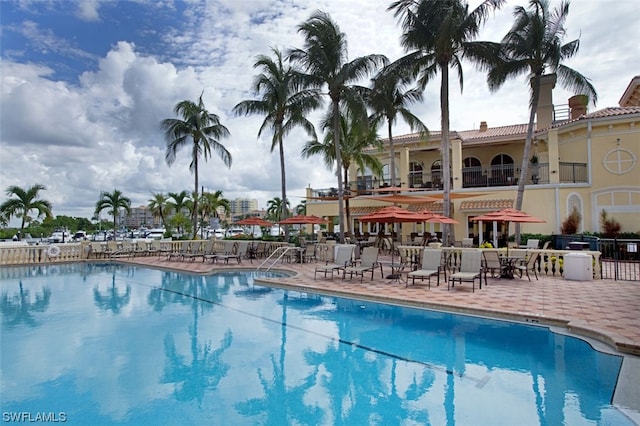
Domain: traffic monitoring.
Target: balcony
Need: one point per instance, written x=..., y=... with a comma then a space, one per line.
x=472, y=177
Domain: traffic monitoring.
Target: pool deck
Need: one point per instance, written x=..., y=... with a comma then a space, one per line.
x=605, y=310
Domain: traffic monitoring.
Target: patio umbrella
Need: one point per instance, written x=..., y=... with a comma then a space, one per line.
x=507, y=215
x=254, y=221
x=432, y=217
x=392, y=215
x=303, y=219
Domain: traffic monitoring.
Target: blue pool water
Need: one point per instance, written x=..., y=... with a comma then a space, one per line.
x=108, y=344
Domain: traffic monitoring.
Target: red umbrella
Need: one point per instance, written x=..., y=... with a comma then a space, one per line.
x=392, y=214
x=508, y=215
x=432, y=217
x=302, y=219
x=254, y=221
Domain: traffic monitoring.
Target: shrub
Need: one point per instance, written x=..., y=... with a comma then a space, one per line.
x=572, y=223
x=610, y=227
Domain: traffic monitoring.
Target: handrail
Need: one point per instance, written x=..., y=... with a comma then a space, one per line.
x=283, y=249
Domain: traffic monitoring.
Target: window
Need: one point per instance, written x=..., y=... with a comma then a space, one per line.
x=415, y=174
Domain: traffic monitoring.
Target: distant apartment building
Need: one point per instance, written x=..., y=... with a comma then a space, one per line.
x=243, y=206
x=137, y=218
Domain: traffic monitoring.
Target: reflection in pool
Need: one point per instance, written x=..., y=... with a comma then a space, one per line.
x=109, y=344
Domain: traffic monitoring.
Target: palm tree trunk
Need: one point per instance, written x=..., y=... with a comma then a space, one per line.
x=444, y=148
x=524, y=171
x=336, y=138
x=347, y=226
x=392, y=153
x=283, y=184
x=194, y=216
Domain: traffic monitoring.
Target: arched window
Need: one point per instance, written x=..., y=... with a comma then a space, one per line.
x=472, y=175
x=415, y=174
x=436, y=174
x=502, y=170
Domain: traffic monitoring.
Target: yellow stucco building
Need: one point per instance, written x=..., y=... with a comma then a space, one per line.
x=585, y=160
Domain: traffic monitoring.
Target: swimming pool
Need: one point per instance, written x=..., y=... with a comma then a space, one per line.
x=115, y=344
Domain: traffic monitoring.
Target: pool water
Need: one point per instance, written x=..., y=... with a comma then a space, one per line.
x=112, y=344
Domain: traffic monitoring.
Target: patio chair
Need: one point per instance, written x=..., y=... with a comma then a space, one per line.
x=310, y=254
x=368, y=262
x=470, y=269
x=528, y=265
x=492, y=264
x=431, y=266
x=342, y=260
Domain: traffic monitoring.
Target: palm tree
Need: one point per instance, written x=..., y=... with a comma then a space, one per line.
x=180, y=202
x=301, y=209
x=23, y=203
x=283, y=104
x=159, y=207
x=275, y=208
x=114, y=202
x=325, y=60
x=356, y=135
x=438, y=34
x=534, y=46
x=389, y=102
x=210, y=202
x=205, y=130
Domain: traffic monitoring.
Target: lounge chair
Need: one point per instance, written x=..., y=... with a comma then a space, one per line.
x=184, y=248
x=492, y=263
x=431, y=266
x=230, y=251
x=470, y=269
x=97, y=250
x=195, y=251
x=344, y=254
x=368, y=262
x=528, y=265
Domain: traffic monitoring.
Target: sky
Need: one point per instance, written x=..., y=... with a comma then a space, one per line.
x=85, y=85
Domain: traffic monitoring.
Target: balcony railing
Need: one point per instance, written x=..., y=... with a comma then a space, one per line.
x=472, y=177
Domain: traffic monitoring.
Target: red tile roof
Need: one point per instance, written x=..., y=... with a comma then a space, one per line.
x=486, y=204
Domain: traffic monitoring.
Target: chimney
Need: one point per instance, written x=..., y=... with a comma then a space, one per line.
x=483, y=126
x=578, y=105
x=544, y=114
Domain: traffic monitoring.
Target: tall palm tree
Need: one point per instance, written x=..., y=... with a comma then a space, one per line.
x=356, y=136
x=205, y=131
x=534, y=46
x=23, y=202
x=438, y=34
x=114, y=202
x=324, y=59
x=159, y=207
x=388, y=100
x=283, y=103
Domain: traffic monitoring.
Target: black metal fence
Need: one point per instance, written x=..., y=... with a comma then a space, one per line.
x=620, y=259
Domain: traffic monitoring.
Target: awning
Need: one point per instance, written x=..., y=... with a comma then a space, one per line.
x=477, y=205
